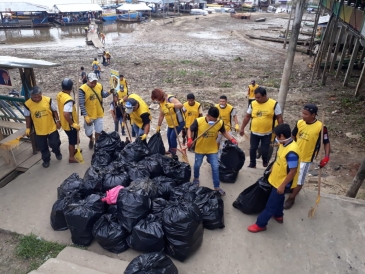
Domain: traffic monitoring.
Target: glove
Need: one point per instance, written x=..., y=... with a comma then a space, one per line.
x=88, y=120
x=27, y=131
x=123, y=124
x=158, y=128
x=143, y=137
x=234, y=141
x=169, y=105
x=324, y=161
x=190, y=142
x=237, y=127
x=75, y=126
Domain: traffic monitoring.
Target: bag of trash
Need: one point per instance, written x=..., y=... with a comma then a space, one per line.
x=227, y=175
x=58, y=221
x=144, y=186
x=232, y=157
x=108, y=142
x=136, y=171
x=211, y=206
x=158, y=206
x=135, y=151
x=151, y=263
x=115, y=178
x=111, y=209
x=165, y=186
x=153, y=165
x=179, y=171
x=112, y=195
x=147, y=235
x=93, y=181
x=69, y=185
x=185, y=191
x=100, y=159
x=110, y=234
x=131, y=208
x=254, y=198
x=81, y=216
x=183, y=227
x=155, y=144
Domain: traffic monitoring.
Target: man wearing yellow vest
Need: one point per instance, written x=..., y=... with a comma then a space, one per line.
x=140, y=115
x=307, y=133
x=207, y=145
x=68, y=117
x=91, y=97
x=191, y=110
x=262, y=112
x=43, y=113
x=251, y=91
x=284, y=173
x=123, y=87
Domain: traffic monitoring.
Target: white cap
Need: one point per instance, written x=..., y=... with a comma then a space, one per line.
x=92, y=77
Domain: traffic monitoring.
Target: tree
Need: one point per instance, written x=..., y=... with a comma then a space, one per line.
x=357, y=181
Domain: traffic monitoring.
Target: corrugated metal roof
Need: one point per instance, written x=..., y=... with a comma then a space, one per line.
x=20, y=6
x=77, y=7
x=15, y=62
x=134, y=7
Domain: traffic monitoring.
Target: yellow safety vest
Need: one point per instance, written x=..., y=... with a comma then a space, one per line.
x=280, y=168
x=93, y=106
x=226, y=115
x=191, y=113
x=121, y=94
x=307, y=138
x=41, y=115
x=62, y=99
x=123, y=83
x=252, y=91
x=207, y=144
x=136, y=114
x=170, y=123
x=263, y=116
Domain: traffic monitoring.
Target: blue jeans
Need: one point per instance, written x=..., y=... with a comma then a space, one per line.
x=274, y=208
x=213, y=160
x=254, y=144
x=138, y=131
x=117, y=123
x=171, y=135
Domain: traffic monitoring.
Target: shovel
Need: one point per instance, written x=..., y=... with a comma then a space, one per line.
x=78, y=155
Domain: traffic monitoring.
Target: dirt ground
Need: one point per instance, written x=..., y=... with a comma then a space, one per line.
x=9, y=263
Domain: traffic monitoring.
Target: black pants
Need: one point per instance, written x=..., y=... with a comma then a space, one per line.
x=250, y=101
x=254, y=144
x=52, y=140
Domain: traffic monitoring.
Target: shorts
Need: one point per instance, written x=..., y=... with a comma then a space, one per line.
x=97, y=124
x=303, y=170
x=220, y=137
x=72, y=136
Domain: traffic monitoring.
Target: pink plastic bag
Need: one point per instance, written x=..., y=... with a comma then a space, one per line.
x=112, y=195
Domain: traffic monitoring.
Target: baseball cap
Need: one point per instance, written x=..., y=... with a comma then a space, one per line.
x=313, y=109
x=129, y=105
x=92, y=77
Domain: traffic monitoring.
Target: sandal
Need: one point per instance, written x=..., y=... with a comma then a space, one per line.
x=221, y=191
x=196, y=182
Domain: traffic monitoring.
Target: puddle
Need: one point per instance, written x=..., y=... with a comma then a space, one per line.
x=205, y=35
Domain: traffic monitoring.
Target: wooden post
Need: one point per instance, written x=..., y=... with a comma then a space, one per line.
x=325, y=46
x=343, y=54
x=311, y=43
x=357, y=181
x=352, y=61
x=332, y=37
x=338, y=44
x=287, y=28
x=360, y=82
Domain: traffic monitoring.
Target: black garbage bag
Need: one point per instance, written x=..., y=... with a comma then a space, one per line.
x=147, y=235
x=232, y=157
x=227, y=175
x=136, y=151
x=185, y=191
x=115, y=178
x=110, y=234
x=165, y=185
x=211, y=206
x=131, y=208
x=58, y=221
x=269, y=155
x=155, y=144
x=111, y=209
x=153, y=165
x=179, y=171
x=254, y=198
x=151, y=263
x=158, y=206
x=93, y=181
x=108, y=142
x=144, y=186
x=136, y=171
x=69, y=185
x=100, y=159
x=81, y=216
x=183, y=227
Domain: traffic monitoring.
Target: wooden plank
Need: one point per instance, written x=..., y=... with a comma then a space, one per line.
x=352, y=61
x=27, y=164
x=12, y=125
x=13, y=136
x=5, y=170
x=17, y=151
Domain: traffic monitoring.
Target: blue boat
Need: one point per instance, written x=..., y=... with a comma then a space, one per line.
x=131, y=15
x=109, y=16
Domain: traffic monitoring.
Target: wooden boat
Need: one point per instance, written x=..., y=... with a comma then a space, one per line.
x=260, y=20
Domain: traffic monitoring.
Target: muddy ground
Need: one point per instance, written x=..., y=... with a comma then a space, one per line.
x=211, y=56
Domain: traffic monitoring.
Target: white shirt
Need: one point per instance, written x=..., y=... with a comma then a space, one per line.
x=53, y=108
x=277, y=111
x=68, y=107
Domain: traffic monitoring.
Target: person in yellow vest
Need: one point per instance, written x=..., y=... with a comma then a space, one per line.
x=307, y=133
x=91, y=97
x=262, y=112
x=207, y=146
x=191, y=110
x=123, y=87
x=68, y=117
x=284, y=173
x=140, y=115
x=96, y=67
x=107, y=57
x=251, y=91
x=43, y=113
x=169, y=107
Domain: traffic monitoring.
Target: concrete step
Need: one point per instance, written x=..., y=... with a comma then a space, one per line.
x=35, y=272
x=57, y=266
x=92, y=260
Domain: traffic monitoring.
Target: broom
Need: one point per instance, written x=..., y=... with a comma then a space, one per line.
x=78, y=155
x=313, y=209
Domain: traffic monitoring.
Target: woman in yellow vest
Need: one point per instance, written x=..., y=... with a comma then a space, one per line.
x=191, y=110
x=169, y=107
x=207, y=145
x=123, y=87
x=68, y=117
x=307, y=133
x=284, y=173
x=43, y=113
x=251, y=91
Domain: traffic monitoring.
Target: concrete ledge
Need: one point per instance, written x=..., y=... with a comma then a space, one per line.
x=92, y=260
x=57, y=266
x=35, y=272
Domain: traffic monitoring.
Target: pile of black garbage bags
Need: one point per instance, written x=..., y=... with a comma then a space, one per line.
x=132, y=196
x=231, y=161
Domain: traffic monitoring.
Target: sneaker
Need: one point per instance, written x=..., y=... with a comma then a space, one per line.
x=91, y=144
x=251, y=166
x=280, y=220
x=255, y=228
x=59, y=156
x=45, y=164
x=289, y=203
x=265, y=164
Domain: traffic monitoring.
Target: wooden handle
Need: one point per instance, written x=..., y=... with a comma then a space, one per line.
x=201, y=135
x=320, y=152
